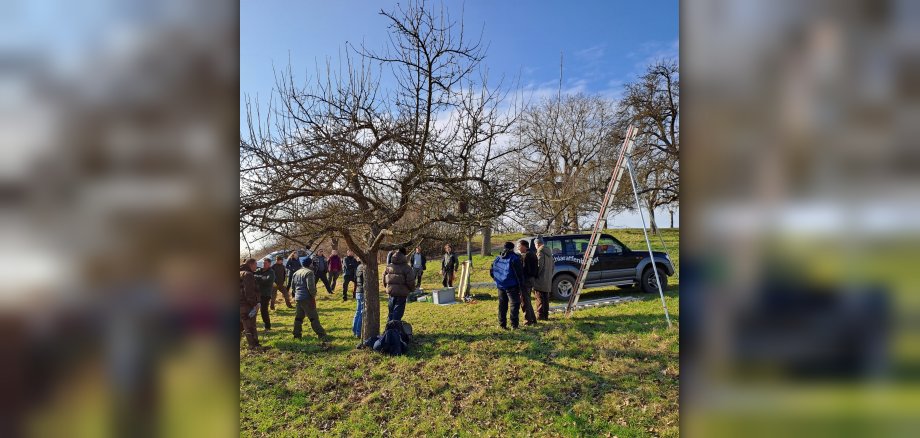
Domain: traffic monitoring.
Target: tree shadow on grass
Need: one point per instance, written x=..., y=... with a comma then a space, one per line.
x=578, y=330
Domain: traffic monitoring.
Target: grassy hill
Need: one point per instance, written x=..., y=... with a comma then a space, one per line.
x=607, y=371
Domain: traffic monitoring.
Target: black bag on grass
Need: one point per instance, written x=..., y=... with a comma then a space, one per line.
x=391, y=342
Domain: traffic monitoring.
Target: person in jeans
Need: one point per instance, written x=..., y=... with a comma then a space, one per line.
x=546, y=264
x=530, y=274
x=335, y=268
x=507, y=271
x=265, y=280
x=320, y=267
x=280, y=275
x=359, y=298
x=448, y=266
x=304, y=287
x=292, y=265
x=398, y=279
x=349, y=272
x=249, y=298
x=418, y=266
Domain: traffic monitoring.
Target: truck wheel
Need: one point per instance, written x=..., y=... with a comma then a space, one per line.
x=648, y=280
x=563, y=286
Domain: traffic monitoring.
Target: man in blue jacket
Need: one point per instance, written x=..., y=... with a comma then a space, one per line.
x=349, y=273
x=508, y=273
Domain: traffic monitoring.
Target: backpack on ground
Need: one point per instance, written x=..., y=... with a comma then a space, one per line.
x=406, y=332
x=391, y=341
x=503, y=272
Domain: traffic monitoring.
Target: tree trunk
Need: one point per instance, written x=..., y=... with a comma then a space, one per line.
x=469, y=249
x=672, y=218
x=573, y=220
x=370, y=324
x=651, y=219
x=335, y=244
x=486, y=249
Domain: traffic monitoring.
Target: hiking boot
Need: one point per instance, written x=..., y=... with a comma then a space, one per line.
x=530, y=322
x=503, y=327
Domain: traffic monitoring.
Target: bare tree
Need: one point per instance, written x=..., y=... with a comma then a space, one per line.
x=652, y=103
x=381, y=167
x=568, y=148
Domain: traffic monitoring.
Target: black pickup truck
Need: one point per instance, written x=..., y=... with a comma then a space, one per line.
x=613, y=264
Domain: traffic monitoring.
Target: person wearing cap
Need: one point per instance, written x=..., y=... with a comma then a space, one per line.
x=280, y=275
x=543, y=283
x=265, y=280
x=249, y=299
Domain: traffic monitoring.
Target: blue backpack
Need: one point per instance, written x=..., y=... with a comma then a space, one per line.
x=391, y=342
x=503, y=272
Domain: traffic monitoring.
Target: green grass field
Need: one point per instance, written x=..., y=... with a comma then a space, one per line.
x=608, y=371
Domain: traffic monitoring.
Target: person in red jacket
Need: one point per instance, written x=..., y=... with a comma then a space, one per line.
x=249, y=300
x=335, y=268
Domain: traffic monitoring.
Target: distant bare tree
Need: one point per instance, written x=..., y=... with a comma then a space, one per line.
x=340, y=155
x=652, y=104
x=569, y=144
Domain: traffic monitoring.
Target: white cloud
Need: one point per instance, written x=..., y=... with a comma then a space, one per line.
x=593, y=53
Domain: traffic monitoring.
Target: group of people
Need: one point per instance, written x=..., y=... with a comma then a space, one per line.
x=259, y=287
x=515, y=275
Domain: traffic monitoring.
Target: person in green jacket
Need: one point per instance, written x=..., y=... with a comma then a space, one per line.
x=304, y=284
x=265, y=281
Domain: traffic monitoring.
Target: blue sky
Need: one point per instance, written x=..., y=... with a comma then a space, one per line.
x=604, y=43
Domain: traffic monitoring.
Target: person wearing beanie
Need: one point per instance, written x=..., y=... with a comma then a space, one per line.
x=507, y=271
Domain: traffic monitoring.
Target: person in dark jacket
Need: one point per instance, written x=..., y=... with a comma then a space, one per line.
x=349, y=272
x=280, y=275
x=418, y=266
x=530, y=275
x=304, y=287
x=399, y=280
x=249, y=299
x=320, y=267
x=292, y=265
x=335, y=268
x=512, y=293
x=359, y=298
x=449, y=264
x=546, y=264
x=265, y=280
